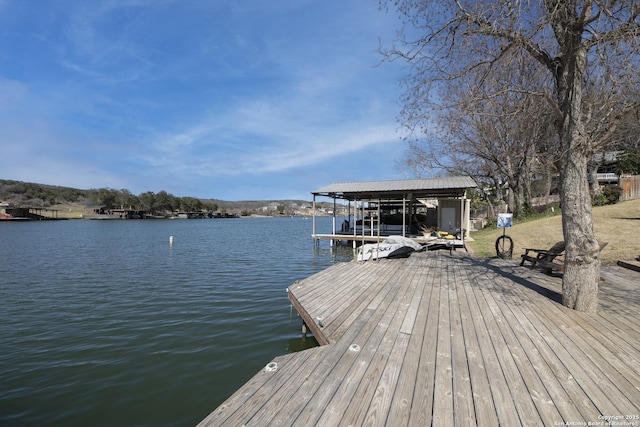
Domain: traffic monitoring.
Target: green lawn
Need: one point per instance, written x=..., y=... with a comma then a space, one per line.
x=618, y=224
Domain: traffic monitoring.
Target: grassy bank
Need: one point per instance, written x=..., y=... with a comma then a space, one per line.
x=70, y=211
x=617, y=224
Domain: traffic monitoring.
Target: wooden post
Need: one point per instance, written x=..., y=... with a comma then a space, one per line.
x=461, y=213
x=404, y=215
x=313, y=222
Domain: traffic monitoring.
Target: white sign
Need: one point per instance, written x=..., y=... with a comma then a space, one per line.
x=505, y=220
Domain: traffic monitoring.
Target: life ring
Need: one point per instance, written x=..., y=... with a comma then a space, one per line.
x=501, y=249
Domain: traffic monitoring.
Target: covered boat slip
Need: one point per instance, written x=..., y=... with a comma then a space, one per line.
x=437, y=339
x=401, y=207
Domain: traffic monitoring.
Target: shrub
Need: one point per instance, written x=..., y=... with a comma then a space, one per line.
x=598, y=200
x=492, y=222
x=525, y=212
x=612, y=194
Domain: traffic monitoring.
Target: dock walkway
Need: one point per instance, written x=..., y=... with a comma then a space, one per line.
x=445, y=340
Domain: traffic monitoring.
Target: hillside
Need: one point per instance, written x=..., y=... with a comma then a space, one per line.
x=72, y=201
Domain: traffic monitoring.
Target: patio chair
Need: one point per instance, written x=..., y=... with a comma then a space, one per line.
x=535, y=256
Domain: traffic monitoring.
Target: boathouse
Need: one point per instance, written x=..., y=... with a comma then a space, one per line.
x=401, y=207
x=10, y=212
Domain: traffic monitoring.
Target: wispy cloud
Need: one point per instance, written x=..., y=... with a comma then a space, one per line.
x=102, y=41
x=169, y=92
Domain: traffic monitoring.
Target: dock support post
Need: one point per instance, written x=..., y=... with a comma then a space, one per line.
x=313, y=222
x=334, y=216
x=404, y=215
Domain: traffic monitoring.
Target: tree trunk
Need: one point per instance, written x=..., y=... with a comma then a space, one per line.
x=593, y=178
x=511, y=200
x=548, y=183
x=526, y=187
x=582, y=259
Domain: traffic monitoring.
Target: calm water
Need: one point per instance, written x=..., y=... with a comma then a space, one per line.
x=105, y=323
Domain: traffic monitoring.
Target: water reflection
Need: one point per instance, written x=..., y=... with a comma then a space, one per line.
x=104, y=314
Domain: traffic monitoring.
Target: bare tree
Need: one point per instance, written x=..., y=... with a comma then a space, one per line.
x=489, y=131
x=579, y=45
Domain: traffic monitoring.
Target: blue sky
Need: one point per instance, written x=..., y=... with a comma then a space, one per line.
x=225, y=99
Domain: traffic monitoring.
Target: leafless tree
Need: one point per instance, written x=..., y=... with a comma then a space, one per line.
x=488, y=133
x=580, y=46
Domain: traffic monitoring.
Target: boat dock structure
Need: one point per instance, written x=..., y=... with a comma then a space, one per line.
x=376, y=209
x=22, y=213
x=445, y=339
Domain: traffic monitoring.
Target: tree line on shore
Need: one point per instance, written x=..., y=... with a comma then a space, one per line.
x=42, y=195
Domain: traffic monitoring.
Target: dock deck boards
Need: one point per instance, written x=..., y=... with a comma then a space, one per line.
x=436, y=339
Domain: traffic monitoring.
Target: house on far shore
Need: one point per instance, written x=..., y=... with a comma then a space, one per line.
x=399, y=207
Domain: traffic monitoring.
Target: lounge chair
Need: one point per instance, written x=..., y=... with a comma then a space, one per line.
x=539, y=256
x=545, y=258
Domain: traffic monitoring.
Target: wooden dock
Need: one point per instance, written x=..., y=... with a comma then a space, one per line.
x=448, y=340
x=356, y=240
x=348, y=238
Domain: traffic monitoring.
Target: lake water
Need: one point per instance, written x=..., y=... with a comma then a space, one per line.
x=105, y=323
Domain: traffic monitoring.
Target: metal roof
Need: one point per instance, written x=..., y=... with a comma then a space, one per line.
x=452, y=186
